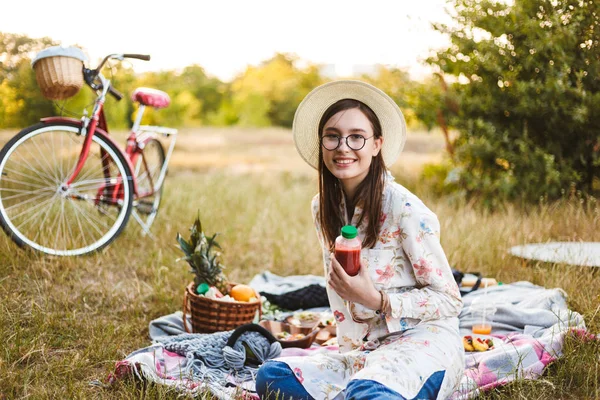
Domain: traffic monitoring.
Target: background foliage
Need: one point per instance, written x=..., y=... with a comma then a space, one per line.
x=516, y=95
x=263, y=95
x=526, y=82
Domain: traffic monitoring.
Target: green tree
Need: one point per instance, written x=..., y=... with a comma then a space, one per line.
x=21, y=101
x=194, y=96
x=528, y=92
x=208, y=91
x=398, y=85
x=274, y=89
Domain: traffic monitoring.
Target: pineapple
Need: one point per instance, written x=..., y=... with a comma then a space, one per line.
x=202, y=254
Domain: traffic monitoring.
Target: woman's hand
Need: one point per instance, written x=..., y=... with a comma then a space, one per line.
x=356, y=289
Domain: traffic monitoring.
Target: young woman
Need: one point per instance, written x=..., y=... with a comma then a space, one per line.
x=397, y=320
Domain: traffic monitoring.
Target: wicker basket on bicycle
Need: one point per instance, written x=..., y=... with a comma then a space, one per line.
x=208, y=312
x=58, y=71
x=215, y=315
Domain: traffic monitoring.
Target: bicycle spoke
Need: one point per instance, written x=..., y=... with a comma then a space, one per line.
x=50, y=169
x=24, y=193
x=56, y=167
x=87, y=174
x=82, y=235
x=44, y=219
x=39, y=205
x=62, y=146
x=53, y=224
x=23, y=203
x=23, y=190
x=35, y=179
x=5, y=179
x=90, y=218
x=59, y=231
x=42, y=175
x=93, y=217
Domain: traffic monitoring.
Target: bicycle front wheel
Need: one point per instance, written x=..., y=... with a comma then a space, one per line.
x=38, y=210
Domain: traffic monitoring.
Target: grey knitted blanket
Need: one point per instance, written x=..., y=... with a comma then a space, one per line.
x=210, y=359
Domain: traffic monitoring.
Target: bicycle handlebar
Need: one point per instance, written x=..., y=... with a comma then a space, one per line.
x=145, y=57
x=115, y=93
x=91, y=74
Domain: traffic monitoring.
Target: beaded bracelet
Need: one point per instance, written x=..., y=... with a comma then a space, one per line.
x=384, y=306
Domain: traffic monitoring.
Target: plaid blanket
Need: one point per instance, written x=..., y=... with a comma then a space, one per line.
x=529, y=329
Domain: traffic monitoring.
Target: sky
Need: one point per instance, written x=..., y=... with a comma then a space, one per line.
x=224, y=36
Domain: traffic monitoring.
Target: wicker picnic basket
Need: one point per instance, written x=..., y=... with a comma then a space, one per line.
x=209, y=316
x=58, y=72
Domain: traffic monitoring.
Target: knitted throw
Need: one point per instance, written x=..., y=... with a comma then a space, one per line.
x=210, y=359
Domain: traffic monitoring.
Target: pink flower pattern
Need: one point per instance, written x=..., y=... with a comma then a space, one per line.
x=298, y=373
x=385, y=275
x=422, y=268
x=339, y=316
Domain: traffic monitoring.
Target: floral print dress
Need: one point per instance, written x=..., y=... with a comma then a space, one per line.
x=421, y=336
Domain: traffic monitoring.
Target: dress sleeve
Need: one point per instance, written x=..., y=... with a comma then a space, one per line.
x=437, y=295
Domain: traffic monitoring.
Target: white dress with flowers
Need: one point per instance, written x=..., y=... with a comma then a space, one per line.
x=421, y=336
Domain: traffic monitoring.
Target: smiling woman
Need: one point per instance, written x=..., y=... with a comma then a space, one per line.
x=345, y=136
x=397, y=324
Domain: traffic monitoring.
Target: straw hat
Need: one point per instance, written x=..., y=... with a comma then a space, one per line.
x=306, y=121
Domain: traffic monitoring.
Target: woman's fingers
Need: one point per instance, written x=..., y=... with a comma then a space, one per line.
x=364, y=273
x=336, y=268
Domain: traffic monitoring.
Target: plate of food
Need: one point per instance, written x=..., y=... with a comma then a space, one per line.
x=304, y=319
x=327, y=320
x=290, y=335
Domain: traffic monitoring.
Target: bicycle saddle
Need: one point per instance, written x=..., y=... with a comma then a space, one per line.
x=151, y=97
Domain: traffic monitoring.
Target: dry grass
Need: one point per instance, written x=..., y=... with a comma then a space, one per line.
x=65, y=322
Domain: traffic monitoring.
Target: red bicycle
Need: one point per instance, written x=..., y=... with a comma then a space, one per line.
x=66, y=188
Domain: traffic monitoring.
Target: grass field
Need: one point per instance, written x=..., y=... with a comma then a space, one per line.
x=65, y=322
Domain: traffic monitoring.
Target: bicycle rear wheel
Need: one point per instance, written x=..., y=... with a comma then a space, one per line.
x=39, y=211
x=147, y=172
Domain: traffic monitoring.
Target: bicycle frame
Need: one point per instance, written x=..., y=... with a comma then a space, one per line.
x=139, y=136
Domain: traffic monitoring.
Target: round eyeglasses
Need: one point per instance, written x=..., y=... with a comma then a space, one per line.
x=354, y=142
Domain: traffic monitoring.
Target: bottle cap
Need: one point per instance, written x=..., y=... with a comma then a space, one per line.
x=349, y=232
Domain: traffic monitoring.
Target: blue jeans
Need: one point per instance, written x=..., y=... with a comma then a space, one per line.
x=275, y=380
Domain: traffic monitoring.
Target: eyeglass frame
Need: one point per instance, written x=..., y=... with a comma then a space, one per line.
x=346, y=139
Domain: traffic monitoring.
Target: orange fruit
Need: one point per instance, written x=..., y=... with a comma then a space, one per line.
x=242, y=292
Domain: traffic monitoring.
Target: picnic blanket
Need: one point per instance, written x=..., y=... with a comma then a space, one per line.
x=529, y=329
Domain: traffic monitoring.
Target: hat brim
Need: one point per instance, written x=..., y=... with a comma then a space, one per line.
x=310, y=111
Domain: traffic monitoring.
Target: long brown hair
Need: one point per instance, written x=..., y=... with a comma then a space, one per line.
x=369, y=192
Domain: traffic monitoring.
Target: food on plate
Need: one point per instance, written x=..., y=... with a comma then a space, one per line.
x=480, y=345
x=304, y=318
x=327, y=319
x=468, y=343
x=477, y=344
x=288, y=336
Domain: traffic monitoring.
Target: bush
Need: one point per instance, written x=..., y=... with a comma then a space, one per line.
x=527, y=120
